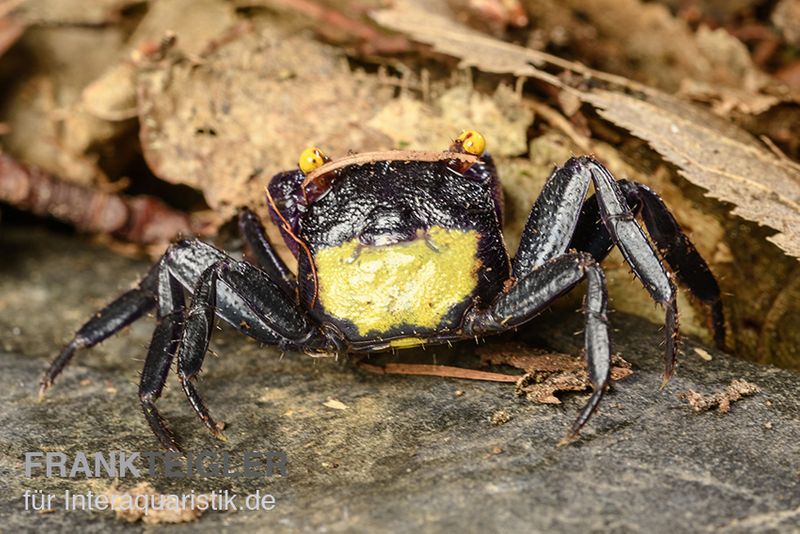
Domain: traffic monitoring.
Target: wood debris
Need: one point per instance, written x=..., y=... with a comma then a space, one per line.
x=722, y=399
x=547, y=373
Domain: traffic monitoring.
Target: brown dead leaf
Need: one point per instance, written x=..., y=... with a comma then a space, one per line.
x=195, y=24
x=786, y=17
x=721, y=400
x=642, y=40
x=502, y=118
x=547, y=373
x=724, y=100
x=761, y=187
x=473, y=48
x=120, y=501
x=639, y=39
x=10, y=30
x=41, y=102
x=245, y=111
x=73, y=12
x=64, y=113
x=709, y=151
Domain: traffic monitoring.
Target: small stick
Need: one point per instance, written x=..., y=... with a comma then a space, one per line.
x=140, y=219
x=444, y=371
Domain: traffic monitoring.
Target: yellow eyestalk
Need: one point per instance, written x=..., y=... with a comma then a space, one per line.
x=312, y=158
x=472, y=142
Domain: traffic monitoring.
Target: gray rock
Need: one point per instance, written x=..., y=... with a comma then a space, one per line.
x=407, y=453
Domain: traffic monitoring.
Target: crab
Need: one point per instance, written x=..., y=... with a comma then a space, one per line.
x=400, y=249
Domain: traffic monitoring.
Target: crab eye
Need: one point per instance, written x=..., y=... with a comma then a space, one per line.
x=472, y=142
x=311, y=159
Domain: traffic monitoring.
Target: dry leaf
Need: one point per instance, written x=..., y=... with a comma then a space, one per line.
x=335, y=404
x=41, y=108
x=724, y=100
x=547, y=373
x=502, y=118
x=721, y=400
x=66, y=112
x=474, y=49
x=762, y=188
x=246, y=111
x=73, y=12
x=195, y=24
x=640, y=39
x=633, y=37
x=708, y=151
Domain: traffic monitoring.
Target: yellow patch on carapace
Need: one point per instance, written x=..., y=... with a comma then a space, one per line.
x=414, y=283
x=406, y=342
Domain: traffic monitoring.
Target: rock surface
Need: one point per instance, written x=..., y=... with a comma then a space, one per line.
x=395, y=453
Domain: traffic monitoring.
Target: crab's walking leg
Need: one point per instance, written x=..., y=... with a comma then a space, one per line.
x=123, y=311
x=676, y=248
x=187, y=265
x=183, y=259
x=163, y=347
x=264, y=305
x=534, y=292
x=253, y=232
x=543, y=247
x=555, y=215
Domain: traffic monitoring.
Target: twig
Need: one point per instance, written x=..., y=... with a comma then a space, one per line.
x=559, y=122
x=141, y=219
x=373, y=40
x=10, y=30
x=444, y=371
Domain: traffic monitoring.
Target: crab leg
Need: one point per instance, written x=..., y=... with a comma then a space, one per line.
x=186, y=260
x=263, y=305
x=123, y=311
x=252, y=231
x=190, y=265
x=552, y=223
x=676, y=248
x=534, y=292
x=163, y=347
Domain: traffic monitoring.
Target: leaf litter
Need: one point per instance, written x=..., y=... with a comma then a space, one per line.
x=708, y=151
x=547, y=373
x=228, y=121
x=721, y=400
